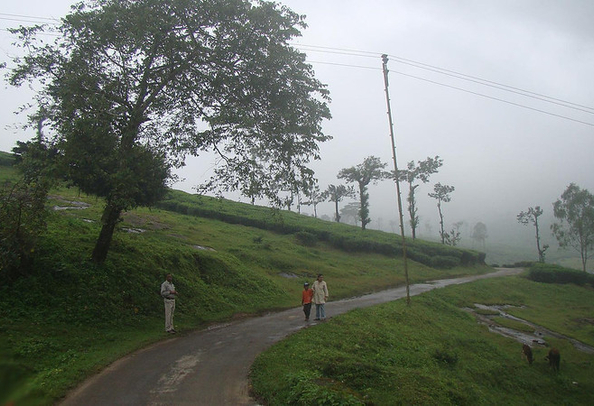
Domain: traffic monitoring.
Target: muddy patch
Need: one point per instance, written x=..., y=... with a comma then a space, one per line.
x=532, y=335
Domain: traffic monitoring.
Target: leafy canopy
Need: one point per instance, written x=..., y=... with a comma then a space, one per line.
x=129, y=88
x=575, y=212
x=179, y=77
x=371, y=170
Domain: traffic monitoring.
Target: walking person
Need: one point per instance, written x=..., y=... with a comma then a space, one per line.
x=168, y=293
x=306, y=298
x=320, y=295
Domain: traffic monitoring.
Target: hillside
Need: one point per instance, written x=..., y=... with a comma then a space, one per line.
x=70, y=317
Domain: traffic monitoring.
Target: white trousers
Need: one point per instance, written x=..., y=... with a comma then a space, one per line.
x=169, y=310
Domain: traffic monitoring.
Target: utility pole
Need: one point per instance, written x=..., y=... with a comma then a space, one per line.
x=396, y=173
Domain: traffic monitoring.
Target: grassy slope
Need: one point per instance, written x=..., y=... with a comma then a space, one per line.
x=68, y=318
x=435, y=353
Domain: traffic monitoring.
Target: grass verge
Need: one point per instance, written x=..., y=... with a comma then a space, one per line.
x=434, y=353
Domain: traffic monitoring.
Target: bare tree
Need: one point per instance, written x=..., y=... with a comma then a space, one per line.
x=315, y=197
x=453, y=237
x=531, y=216
x=442, y=194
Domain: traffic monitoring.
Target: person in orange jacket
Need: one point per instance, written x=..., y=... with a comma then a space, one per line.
x=306, y=298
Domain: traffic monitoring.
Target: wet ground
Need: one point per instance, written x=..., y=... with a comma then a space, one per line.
x=534, y=338
x=210, y=367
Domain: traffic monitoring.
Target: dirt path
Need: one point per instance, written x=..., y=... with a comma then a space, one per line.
x=210, y=367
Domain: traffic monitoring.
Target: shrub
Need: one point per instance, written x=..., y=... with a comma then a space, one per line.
x=444, y=262
x=307, y=239
x=548, y=273
x=22, y=220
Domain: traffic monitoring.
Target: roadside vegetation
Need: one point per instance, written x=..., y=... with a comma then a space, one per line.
x=435, y=353
x=68, y=317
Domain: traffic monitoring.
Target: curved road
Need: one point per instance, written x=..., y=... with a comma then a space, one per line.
x=210, y=367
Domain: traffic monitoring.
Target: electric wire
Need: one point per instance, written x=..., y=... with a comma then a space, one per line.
x=459, y=89
x=451, y=73
x=405, y=61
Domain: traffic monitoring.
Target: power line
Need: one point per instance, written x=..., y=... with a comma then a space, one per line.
x=496, y=98
x=415, y=64
x=346, y=65
x=451, y=73
x=460, y=89
x=20, y=17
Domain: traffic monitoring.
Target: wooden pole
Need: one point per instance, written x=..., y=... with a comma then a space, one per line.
x=396, y=173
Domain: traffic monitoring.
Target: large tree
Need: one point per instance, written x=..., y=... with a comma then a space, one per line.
x=369, y=171
x=351, y=212
x=421, y=171
x=480, y=234
x=575, y=212
x=441, y=193
x=531, y=216
x=336, y=193
x=129, y=88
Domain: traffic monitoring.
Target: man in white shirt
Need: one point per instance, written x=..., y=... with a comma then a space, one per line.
x=168, y=292
x=320, y=295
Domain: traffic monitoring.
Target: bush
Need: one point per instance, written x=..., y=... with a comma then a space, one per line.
x=22, y=220
x=548, y=273
x=444, y=262
x=307, y=239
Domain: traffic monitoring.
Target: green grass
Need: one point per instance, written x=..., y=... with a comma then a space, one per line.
x=434, y=353
x=70, y=318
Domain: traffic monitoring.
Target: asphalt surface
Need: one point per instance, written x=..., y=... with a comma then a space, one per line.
x=210, y=367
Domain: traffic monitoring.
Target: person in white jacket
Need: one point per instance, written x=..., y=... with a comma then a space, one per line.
x=320, y=295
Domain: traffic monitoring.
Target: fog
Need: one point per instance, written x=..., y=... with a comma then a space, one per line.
x=502, y=151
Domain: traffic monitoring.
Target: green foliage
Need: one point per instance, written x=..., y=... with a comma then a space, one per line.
x=128, y=92
x=22, y=220
x=575, y=212
x=339, y=236
x=548, y=273
x=307, y=388
x=444, y=262
x=6, y=159
x=433, y=352
x=413, y=173
x=219, y=267
x=371, y=170
x=307, y=239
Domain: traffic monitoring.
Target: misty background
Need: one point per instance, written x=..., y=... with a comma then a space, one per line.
x=501, y=90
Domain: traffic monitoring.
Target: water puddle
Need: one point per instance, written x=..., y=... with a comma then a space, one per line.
x=534, y=338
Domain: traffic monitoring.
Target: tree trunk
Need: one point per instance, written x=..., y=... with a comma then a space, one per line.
x=412, y=210
x=441, y=223
x=110, y=217
x=337, y=215
x=541, y=258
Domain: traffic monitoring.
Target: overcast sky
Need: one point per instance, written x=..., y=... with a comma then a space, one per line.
x=501, y=157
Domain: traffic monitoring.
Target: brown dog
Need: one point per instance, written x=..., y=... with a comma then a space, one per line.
x=527, y=353
x=554, y=359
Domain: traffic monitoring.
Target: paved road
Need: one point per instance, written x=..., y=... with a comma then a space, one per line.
x=210, y=367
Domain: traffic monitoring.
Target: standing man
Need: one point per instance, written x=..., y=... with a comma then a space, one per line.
x=168, y=292
x=320, y=291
